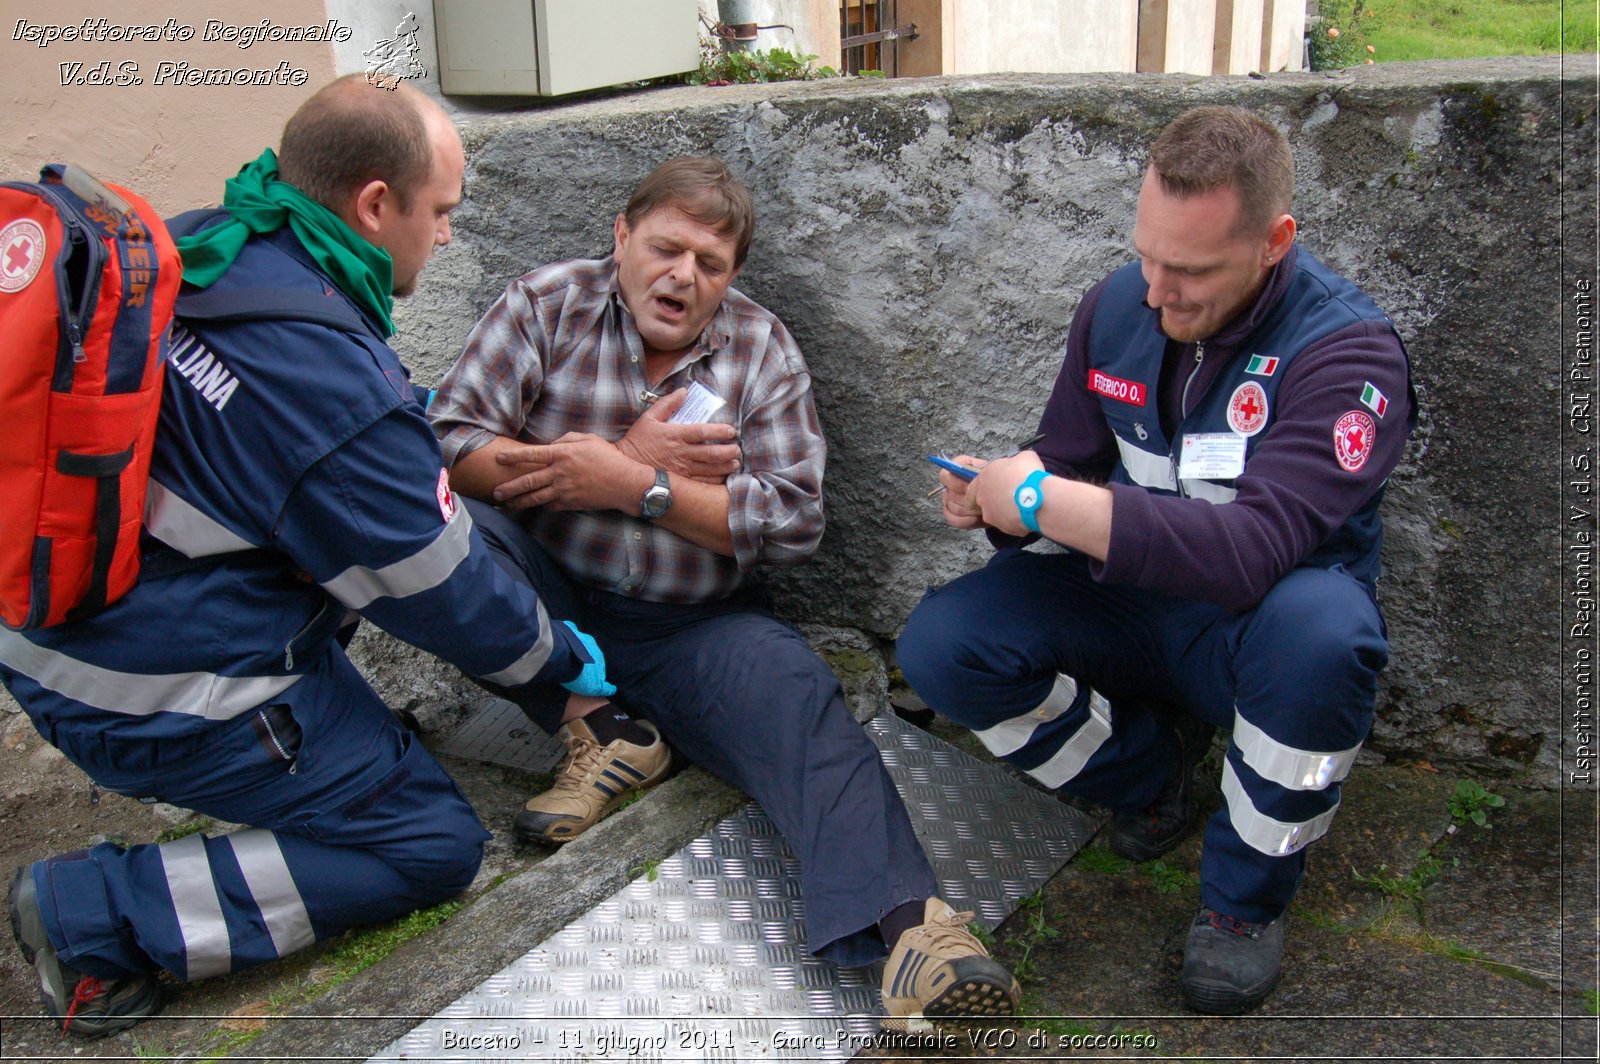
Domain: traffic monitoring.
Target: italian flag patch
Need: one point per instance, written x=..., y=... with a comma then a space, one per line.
x=1263, y=366
x=1374, y=400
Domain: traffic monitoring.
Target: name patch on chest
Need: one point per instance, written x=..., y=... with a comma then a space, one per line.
x=1116, y=388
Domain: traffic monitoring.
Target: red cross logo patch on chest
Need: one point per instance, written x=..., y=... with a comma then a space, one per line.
x=1247, y=409
x=22, y=249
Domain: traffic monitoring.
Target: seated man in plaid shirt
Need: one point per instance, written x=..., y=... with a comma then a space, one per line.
x=646, y=529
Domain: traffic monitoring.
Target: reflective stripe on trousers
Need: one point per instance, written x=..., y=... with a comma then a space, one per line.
x=1012, y=735
x=198, y=907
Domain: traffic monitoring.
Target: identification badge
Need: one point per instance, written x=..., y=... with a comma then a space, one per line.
x=1211, y=456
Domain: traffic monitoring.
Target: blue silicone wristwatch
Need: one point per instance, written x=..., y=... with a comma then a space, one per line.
x=1030, y=494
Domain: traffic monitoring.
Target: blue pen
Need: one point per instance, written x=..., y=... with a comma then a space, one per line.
x=964, y=472
x=970, y=474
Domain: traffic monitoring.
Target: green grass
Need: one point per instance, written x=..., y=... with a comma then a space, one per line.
x=1098, y=859
x=1171, y=880
x=1036, y=931
x=230, y=1041
x=1407, y=888
x=193, y=827
x=363, y=949
x=1461, y=29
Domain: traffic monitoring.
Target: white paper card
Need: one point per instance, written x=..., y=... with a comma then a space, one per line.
x=1211, y=456
x=698, y=405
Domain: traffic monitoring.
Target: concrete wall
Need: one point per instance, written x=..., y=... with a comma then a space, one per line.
x=927, y=241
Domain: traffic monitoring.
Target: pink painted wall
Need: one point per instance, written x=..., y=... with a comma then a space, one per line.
x=173, y=143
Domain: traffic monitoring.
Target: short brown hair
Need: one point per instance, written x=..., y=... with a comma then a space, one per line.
x=352, y=132
x=702, y=187
x=1215, y=147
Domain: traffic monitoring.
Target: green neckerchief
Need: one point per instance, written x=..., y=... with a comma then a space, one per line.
x=260, y=203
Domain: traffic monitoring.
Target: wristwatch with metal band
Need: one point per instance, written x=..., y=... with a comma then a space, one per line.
x=657, y=499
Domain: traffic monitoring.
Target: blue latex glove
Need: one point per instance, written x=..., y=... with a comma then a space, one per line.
x=591, y=680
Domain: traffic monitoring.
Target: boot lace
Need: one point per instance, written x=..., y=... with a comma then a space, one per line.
x=87, y=990
x=1223, y=922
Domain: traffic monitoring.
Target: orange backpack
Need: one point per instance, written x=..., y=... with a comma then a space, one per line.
x=88, y=278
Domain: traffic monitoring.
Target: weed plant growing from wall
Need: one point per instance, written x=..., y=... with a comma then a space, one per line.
x=718, y=67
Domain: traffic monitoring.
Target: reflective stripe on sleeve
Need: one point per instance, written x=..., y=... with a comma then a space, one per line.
x=194, y=903
x=1216, y=494
x=199, y=694
x=185, y=527
x=429, y=567
x=1012, y=735
x=1298, y=770
x=267, y=874
x=1261, y=832
x=1145, y=468
x=528, y=665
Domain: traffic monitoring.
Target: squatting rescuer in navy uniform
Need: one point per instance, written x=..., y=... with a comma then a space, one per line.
x=1213, y=456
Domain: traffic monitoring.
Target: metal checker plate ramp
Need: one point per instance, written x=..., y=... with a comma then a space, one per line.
x=499, y=733
x=707, y=961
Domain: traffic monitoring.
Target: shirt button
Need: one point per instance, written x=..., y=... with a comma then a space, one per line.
x=638, y=535
x=633, y=358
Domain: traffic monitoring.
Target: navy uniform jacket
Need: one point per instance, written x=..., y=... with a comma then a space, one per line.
x=294, y=479
x=1311, y=375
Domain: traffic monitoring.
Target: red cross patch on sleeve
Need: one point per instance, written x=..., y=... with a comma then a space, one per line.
x=1353, y=438
x=447, y=498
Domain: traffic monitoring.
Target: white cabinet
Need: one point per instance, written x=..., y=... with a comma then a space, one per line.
x=551, y=47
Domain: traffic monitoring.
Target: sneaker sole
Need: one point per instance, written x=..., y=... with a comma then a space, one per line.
x=530, y=835
x=1219, y=999
x=981, y=988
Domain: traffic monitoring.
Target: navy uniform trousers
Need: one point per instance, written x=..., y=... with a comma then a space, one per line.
x=1070, y=680
x=743, y=695
x=353, y=822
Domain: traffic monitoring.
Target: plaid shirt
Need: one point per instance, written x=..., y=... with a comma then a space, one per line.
x=558, y=352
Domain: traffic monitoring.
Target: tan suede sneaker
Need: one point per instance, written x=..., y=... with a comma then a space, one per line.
x=939, y=969
x=591, y=781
